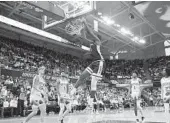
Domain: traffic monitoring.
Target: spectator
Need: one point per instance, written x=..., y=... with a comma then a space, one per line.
x=21, y=100
x=13, y=104
x=4, y=91
x=5, y=103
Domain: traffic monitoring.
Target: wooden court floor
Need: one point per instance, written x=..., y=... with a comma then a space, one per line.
x=126, y=116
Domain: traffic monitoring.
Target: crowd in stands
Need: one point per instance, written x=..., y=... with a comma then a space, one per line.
x=27, y=57
x=14, y=91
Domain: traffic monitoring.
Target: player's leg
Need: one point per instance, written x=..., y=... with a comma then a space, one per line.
x=34, y=111
x=62, y=108
x=98, y=108
x=92, y=68
x=68, y=108
x=140, y=109
x=86, y=73
x=42, y=108
x=91, y=100
x=135, y=105
x=134, y=97
x=95, y=105
x=166, y=106
x=96, y=76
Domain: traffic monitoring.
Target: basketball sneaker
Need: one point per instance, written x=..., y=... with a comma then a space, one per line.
x=97, y=112
x=137, y=121
x=142, y=118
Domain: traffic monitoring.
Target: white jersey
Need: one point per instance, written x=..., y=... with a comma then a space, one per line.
x=135, y=85
x=38, y=91
x=165, y=85
x=64, y=87
x=38, y=85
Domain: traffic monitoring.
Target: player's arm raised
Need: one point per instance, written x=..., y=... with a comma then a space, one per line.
x=90, y=31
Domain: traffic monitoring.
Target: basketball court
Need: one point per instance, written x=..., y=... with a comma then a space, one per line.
x=126, y=116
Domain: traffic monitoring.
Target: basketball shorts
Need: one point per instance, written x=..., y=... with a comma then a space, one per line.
x=92, y=94
x=96, y=67
x=65, y=99
x=135, y=95
x=37, y=101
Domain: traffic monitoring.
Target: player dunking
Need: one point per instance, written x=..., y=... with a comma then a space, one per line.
x=64, y=97
x=95, y=68
x=136, y=93
x=38, y=96
x=165, y=91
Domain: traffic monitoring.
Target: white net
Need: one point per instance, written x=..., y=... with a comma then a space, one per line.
x=74, y=27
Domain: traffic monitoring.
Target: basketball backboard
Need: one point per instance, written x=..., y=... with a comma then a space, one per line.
x=71, y=9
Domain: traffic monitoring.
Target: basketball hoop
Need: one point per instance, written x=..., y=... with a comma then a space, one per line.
x=74, y=27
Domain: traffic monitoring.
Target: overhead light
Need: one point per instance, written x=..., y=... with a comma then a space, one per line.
x=104, y=18
x=110, y=22
x=125, y=31
x=121, y=29
x=142, y=41
x=99, y=13
x=135, y=38
x=132, y=34
x=117, y=25
x=85, y=48
x=107, y=20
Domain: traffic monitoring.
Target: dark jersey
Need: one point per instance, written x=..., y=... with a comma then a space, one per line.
x=96, y=52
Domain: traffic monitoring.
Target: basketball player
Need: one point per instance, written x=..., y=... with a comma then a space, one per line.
x=136, y=94
x=95, y=68
x=64, y=97
x=38, y=96
x=165, y=91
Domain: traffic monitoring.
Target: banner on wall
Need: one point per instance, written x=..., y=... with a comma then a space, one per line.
x=27, y=75
x=9, y=72
x=31, y=75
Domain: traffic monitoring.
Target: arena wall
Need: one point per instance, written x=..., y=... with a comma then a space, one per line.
x=149, y=52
